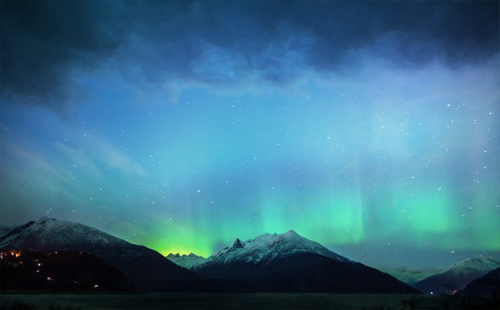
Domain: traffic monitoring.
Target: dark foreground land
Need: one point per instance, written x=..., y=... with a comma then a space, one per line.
x=241, y=301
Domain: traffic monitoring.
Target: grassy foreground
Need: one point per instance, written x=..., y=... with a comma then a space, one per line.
x=240, y=301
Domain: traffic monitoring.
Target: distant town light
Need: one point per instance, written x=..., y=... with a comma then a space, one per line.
x=14, y=253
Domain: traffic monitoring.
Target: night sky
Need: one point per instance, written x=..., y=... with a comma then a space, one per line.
x=370, y=127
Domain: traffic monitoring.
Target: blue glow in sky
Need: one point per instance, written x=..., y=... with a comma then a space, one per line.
x=370, y=127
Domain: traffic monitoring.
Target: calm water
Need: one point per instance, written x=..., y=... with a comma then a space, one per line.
x=232, y=301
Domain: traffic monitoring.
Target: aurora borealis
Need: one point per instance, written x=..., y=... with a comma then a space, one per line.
x=370, y=127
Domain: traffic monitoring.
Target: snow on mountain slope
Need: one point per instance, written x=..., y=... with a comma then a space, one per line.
x=186, y=261
x=144, y=268
x=409, y=276
x=267, y=247
x=480, y=264
x=486, y=285
x=291, y=263
x=4, y=229
x=458, y=275
x=48, y=232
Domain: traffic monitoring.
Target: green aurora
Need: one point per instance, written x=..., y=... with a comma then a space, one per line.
x=183, y=125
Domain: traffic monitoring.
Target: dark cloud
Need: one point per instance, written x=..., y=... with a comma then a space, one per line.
x=45, y=42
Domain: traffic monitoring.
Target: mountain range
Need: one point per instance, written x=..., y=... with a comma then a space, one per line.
x=145, y=269
x=487, y=285
x=289, y=262
x=457, y=276
x=268, y=263
x=410, y=276
x=186, y=261
x=58, y=271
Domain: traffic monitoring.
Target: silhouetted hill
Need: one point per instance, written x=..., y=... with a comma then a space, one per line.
x=144, y=268
x=58, y=271
x=292, y=263
x=487, y=285
x=457, y=276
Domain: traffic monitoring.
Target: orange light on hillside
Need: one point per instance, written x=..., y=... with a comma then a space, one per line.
x=14, y=253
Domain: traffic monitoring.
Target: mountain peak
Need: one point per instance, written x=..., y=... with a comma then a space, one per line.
x=267, y=247
x=479, y=262
x=51, y=233
x=458, y=275
x=143, y=267
x=291, y=233
x=45, y=219
x=179, y=255
x=187, y=261
x=237, y=244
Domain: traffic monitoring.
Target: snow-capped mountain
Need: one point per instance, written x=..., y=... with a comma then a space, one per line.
x=291, y=263
x=486, y=285
x=49, y=232
x=4, y=229
x=186, y=261
x=409, y=276
x=479, y=265
x=458, y=275
x=267, y=247
x=144, y=268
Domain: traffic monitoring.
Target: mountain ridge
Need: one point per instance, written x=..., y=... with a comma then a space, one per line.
x=291, y=263
x=486, y=285
x=144, y=268
x=187, y=261
x=305, y=264
x=267, y=247
x=458, y=275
